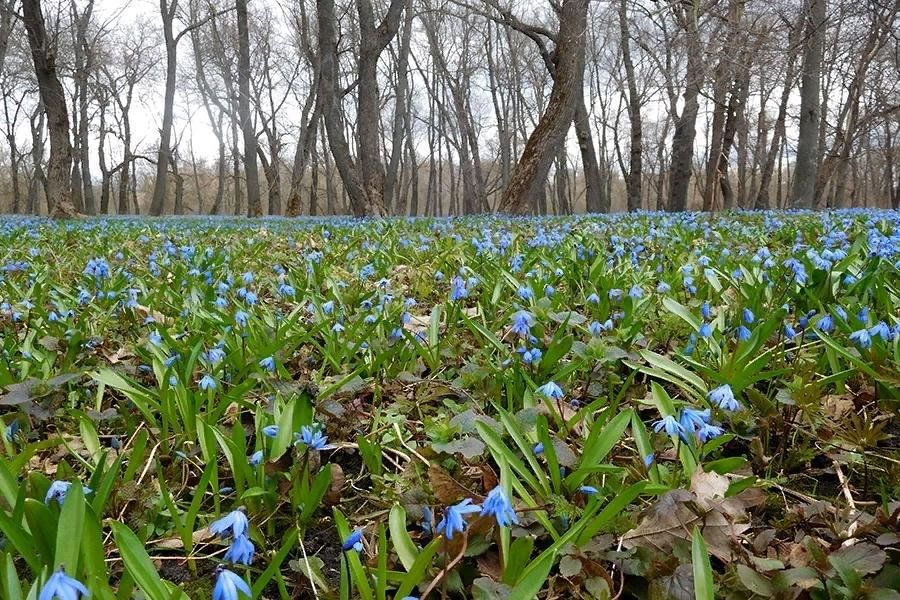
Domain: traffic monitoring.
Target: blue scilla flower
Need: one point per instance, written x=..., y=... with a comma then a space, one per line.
x=155, y=338
x=455, y=518
x=286, y=291
x=708, y=431
x=705, y=310
x=525, y=293
x=215, y=355
x=458, y=289
x=59, y=489
x=881, y=330
x=748, y=316
x=663, y=288
x=705, y=330
x=268, y=363
x=11, y=430
x=312, y=437
x=498, y=505
x=862, y=338
x=789, y=331
x=270, y=431
x=207, y=382
x=522, y=321
x=826, y=324
x=671, y=426
x=241, y=318
x=255, y=459
x=593, y=299
x=595, y=328
x=62, y=587
x=230, y=586
x=723, y=397
x=743, y=334
x=649, y=460
x=551, y=390
x=234, y=524
x=241, y=551
x=250, y=298
x=616, y=294
x=635, y=293
x=549, y=290
x=588, y=490
x=692, y=419
x=353, y=541
x=427, y=519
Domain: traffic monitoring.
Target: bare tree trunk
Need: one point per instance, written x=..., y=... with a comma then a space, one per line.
x=251, y=172
x=400, y=108
x=806, y=168
x=163, y=154
x=82, y=70
x=633, y=178
x=59, y=192
x=685, y=126
x=330, y=92
x=530, y=175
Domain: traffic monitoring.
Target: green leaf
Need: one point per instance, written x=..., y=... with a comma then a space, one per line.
x=69, y=530
x=9, y=580
x=600, y=442
x=519, y=554
x=417, y=572
x=137, y=562
x=703, y=577
x=403, y=544
x=534, y=577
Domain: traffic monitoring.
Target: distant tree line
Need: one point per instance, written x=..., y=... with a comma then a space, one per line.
x=435, y=107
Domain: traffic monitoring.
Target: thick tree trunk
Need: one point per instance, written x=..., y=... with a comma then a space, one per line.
x=635, y=168
x=806, y=167
x=251, y=172
x=163, y=154
x=59, y=192
x=530, y=175
x=334, y=126
x=685, y=126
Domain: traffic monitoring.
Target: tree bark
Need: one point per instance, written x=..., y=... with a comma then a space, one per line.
x=530, y=174
x=635, y=168
x=806, y=165
x=59, y=192
x=251, y=171
x=685, y=125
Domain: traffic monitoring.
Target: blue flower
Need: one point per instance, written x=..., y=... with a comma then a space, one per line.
x=268, y=363
x=11, y=430
x=826, y=324
x=708, y=431
x=229, y=586
x=588, y=490
x=240, y=317
x=538, y=449
x=241, y=551
x=705, y=310
x=455, y=517
x=663, y=288
x=155, y=338
x=427, y=519
x=234, y=524
x=723, y=397
x=313, y=438
x=255, y=459
x=59, y=489
x=207, y=382
x=881, y=330
x=458, y=289
x=743, y=333
x=498, y=505
x=748, y=316
x=62, y=587
x=649, y=459
x=862, y=338
x=353, y=541
x=551, y=390
x=789, y=332
x=671, y=426
x=692, y=419
x=522, y=321
x=705, y=330
x=270, y=431
x=593, y=299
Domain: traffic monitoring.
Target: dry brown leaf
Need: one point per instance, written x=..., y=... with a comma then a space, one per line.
x=446, y=489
